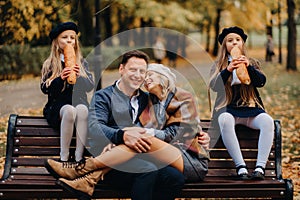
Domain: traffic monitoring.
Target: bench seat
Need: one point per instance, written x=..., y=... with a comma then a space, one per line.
x=30, y=140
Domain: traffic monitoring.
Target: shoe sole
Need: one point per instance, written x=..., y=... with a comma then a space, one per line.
x=80, y=195
x=51, y=170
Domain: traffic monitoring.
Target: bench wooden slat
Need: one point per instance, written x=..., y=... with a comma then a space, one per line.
x=244, y=144
x=36, y=131
x=219, y=164
x=32, y=121
x=41, y=177
x=30, y=140
x=231, y=173
x=37, y=141
x=36, y=151
x=212, y=172
x=247, y=193
x=30, y=161
x=29, y=170
x=224, y=154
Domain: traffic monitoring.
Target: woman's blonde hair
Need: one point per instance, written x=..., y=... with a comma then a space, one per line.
x=53, y=63
x=165, y=84
x=247, y=91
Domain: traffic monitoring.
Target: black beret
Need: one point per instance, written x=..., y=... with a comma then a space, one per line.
x=233, y=29
x=61, y=28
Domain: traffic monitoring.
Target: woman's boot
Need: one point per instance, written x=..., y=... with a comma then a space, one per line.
x=65, y=170
x=83, y=186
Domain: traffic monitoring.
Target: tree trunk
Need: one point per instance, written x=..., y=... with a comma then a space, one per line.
x=107, y=26
x=97, y=57
x=85, y=23
x=217, y=29
x=123, y=22
x=292, y=34
x=208, y=36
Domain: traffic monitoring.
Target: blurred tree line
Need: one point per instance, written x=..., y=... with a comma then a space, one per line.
x=29, y=22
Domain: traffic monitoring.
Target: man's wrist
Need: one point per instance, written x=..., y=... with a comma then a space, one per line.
x=120, y=136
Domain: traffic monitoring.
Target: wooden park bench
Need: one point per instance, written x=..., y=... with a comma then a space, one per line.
x=30, y=141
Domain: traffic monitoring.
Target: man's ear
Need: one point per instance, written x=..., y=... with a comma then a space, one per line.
x=121, y=68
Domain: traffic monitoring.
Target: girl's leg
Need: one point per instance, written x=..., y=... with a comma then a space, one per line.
x=67, y=115
x=160, y=150
x=265, y=124
x=227, y=128
x=81, y=130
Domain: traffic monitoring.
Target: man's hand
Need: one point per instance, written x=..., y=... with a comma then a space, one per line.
x=136, y=139
x=204, y=139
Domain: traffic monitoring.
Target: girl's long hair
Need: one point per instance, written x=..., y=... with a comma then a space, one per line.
x=247, y=92
x=53, y=65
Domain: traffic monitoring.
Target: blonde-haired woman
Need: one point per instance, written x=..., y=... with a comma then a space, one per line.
x=67, y=103
x=238, y=103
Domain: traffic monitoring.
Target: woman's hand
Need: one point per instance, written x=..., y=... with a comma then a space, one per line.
x=204, y=139
x=108, y=148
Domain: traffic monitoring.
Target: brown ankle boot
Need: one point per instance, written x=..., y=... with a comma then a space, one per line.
x=83, y=186
x=70, y=171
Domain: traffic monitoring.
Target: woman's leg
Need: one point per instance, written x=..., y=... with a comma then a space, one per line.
x=81, y=130
x=265, y=124
x=227, y=128
x=160, y=150
x=67, y=115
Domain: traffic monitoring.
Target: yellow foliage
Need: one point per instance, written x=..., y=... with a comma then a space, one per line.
x=26, y=20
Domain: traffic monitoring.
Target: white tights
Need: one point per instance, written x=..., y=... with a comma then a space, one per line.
x=262, y=122
x=71, y=116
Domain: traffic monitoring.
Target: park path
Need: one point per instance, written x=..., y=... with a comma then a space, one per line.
x=21, y=94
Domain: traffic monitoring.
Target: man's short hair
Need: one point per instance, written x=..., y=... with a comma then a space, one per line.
x=134, y=53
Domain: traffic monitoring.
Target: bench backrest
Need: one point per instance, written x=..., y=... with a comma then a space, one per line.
x=31, y=140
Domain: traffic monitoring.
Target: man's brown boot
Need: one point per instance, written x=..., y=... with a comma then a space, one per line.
x=83, y=187
x=70, y=171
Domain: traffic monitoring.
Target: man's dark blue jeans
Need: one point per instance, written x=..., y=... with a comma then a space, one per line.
x=154, y=184
x=168, y=184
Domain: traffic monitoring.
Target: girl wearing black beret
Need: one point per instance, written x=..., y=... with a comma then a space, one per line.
x=66, y=108
x=239, y=103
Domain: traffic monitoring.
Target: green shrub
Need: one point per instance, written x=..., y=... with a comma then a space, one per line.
x=19, y=60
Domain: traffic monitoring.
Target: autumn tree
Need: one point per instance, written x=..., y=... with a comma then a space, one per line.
x=82, y=12
x=26, y=21
x=250, y=15
x=292, y=34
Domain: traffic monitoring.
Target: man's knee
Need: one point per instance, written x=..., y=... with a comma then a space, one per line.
x=170, y=176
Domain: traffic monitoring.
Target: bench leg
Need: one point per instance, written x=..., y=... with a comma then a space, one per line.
x=289, y=189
